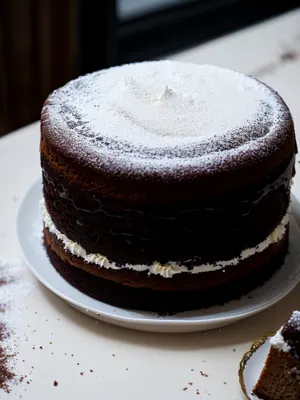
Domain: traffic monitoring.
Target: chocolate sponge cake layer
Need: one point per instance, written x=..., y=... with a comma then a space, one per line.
x=215, y=229
x=185, y=292
x=182, y=281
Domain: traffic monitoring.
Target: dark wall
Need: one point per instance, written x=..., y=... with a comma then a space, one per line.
x=37, y=54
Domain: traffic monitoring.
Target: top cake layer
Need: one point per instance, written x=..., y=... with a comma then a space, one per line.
x=154, y=131
x=165, y=117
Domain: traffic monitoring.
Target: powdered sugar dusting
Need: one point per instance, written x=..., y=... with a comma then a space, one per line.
x=294, y=321
x=13, y=290
x=12, y=294
x=162, y=115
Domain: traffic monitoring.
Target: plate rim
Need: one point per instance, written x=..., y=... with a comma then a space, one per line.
x=138, y=320
x=247, y=356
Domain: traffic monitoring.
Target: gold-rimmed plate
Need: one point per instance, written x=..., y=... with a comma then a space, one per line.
x=252, y=364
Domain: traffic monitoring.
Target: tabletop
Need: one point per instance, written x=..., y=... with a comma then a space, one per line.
x=61, y=353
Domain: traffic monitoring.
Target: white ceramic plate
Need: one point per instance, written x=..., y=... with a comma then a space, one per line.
x=29, y=228
x=252, y=365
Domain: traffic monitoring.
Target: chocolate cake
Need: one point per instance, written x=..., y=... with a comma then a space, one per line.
x=166, y=185
x=280, y=377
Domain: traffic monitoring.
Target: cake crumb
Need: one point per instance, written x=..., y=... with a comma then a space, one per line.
x=55, y=383
x=113, y=355
x=225, y=383
x=185, y=388
x=41, y=347
x=81, y=373
x=288, y=55
x=190, y=383
x=203, y=374
x=91, y=370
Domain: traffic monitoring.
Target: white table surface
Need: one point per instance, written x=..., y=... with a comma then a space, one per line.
x=128, y=364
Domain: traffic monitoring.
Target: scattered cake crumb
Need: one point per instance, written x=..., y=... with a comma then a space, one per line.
x=55, y=383
x=203, y=374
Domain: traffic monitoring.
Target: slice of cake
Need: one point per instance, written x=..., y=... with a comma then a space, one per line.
x=280, y=377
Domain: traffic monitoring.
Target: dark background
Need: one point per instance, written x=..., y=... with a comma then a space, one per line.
x=45, y=43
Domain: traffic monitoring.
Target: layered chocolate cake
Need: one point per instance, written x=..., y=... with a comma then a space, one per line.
x=280, y=377
x=166, y=185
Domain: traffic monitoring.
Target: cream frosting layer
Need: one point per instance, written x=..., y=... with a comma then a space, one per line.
x=277, y=341
x=171, y=268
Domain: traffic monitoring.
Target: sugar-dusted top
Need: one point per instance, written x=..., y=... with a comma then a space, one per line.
x=164, y=116
x=293, y=322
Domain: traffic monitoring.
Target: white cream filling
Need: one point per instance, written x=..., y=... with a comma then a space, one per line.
x=171, y=268
x=277, y=341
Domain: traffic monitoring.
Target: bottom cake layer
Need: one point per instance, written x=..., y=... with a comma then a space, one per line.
x=170, y=301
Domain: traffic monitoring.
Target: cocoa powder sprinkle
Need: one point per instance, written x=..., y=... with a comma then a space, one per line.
x=6, y=374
